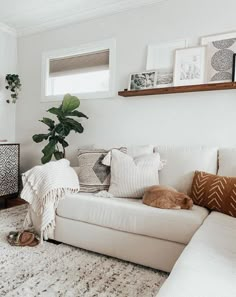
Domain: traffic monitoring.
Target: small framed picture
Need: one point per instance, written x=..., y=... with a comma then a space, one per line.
x=190, y=66
x=142, y=80
x=164, y=78
x=234, y=68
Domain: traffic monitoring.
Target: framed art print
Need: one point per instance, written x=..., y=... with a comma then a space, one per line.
x=161, y=58
x=142, y=80
x=164, y=78
x=219, y=60
x=189, y=66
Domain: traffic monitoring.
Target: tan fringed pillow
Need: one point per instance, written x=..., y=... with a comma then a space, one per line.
x=94, y=176
x=214, y=192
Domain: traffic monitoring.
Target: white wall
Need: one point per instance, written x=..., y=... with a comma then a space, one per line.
x=8, y=64
x=192, y=119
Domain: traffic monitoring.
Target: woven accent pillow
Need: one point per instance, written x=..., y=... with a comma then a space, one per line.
x=130, y=177
x=214, y=192
x=93, y=175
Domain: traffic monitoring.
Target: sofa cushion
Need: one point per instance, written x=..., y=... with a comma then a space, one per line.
x=207, y=266
x=140, y=150
x=131, y=215
x=227, y=162
x=130, y=177
x=214, y=192
x=182, y=162
x=93, y=175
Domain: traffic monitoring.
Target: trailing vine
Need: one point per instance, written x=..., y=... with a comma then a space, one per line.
x=14, y=86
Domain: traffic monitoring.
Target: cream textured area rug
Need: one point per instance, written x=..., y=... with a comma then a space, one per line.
x=59, y=270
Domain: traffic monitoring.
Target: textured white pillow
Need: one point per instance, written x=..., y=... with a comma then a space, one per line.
x=131, y=177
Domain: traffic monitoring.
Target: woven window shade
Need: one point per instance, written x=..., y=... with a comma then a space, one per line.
x=82, y=63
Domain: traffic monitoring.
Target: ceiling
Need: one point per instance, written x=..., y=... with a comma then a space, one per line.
x=27, y=17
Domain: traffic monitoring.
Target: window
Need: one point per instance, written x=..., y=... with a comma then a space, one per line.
x=87, y=72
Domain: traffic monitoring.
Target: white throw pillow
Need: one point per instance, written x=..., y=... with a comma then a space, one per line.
x=130, y=177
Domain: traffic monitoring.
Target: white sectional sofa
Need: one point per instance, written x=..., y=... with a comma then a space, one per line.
x=130, y=230
x=203, y=245
x=207, y=267
x=127, y=229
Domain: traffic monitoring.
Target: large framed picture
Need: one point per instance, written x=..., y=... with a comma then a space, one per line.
x=161, y=57
x=219, y=61
x=142, y=80
x=190, y=66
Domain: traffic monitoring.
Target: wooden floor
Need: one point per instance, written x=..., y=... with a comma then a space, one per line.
x=11, y=202
x=15, y=202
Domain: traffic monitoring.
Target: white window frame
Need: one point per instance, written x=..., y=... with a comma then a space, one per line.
x=109, y=44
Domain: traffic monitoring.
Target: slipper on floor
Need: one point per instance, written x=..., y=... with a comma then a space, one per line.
x=24, y=238
x=35, y=242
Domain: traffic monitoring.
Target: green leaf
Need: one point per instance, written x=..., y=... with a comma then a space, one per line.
x=50, y=147
x=50, y=123
x=56, y=110
x=46, y=158
x=70, y=103
x=63, y=142
x=77, y=113
x=63, y=129
x=40, y=137
x=77, y=127
x=58, y=155
x=48, y=151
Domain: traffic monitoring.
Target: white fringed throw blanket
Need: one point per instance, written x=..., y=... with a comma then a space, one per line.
x=43, y=187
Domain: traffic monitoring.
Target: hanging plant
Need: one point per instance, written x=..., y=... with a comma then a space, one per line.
x=14, y=86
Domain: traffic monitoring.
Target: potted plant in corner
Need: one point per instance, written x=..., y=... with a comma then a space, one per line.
x=58, y=131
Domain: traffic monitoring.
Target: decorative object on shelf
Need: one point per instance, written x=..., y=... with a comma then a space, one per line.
x=9, y=170
x=220, y=51
x=190, y=66
x=59, y=131
x=234, y=68
x=14, y=86
x=164, y=78
x=161, y=57
x=142, y=80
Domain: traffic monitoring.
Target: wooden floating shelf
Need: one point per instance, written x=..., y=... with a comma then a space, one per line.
x=181, y=89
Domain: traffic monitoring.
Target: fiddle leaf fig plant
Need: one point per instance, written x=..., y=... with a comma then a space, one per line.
x=66, y=115
x=14, y=86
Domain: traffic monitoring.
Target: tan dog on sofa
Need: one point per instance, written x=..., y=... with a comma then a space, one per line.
x=166, y=198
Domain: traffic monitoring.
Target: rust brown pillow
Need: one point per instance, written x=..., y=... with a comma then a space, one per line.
x=214, y=192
